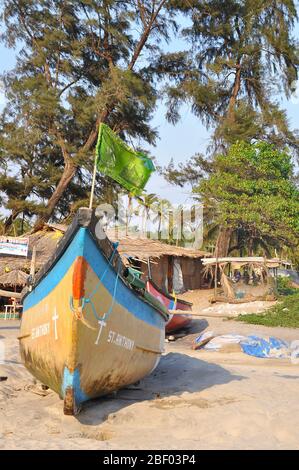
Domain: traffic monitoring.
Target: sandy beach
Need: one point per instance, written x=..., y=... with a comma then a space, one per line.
x=193, y=400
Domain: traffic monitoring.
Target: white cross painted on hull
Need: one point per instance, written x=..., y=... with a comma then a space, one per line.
x=102, y=324
x=55, y=318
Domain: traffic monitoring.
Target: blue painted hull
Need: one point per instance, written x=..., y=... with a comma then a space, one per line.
x=84, y=331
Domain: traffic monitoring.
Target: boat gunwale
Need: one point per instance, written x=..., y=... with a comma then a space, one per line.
x=169, y=296
x=85, y=218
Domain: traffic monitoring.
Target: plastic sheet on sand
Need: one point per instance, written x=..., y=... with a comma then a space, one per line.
x=264, y=347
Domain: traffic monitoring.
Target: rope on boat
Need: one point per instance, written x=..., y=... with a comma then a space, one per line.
x=115, y=245
x=87, y=300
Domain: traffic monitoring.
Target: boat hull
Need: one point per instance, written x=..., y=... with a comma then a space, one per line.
x=84, y=332
x=178, y=321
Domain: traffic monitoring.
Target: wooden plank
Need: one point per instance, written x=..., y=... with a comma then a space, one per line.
x=170, y=273
x=202, y=343
x=187, y=312
x=8, y=293
x=200, y=314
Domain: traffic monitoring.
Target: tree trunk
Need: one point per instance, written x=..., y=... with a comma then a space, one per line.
x=223, y=241
x=235, y=92
x=70, y=169
x=10, y=219
x=250, y=247
x=67, y=176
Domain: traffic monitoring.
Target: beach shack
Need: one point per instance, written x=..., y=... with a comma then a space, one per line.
x=172, y=268
x=15, y=263
x=241, y=279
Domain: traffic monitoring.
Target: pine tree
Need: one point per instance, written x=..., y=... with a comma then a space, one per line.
x=77, y=67
x=242, y=54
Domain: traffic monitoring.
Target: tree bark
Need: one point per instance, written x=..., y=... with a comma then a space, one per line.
x=68, y=172
x=67, y=176
x=223, y=241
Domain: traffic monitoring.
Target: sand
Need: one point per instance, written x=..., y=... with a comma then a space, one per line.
x=193, y=400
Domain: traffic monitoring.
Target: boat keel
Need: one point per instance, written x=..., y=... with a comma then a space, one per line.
x=70, y=406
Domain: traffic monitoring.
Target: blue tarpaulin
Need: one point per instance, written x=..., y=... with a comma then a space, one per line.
x=267, y=347
x=261, y=347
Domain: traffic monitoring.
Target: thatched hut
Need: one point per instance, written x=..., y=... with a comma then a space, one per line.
x=44, y=241
x=14, y=270
x=242, y=279
x=171, y=267
x=11, y=284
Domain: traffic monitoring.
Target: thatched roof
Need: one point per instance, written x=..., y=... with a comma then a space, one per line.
x=145, y=248
x=45, y=242
x=13, y=278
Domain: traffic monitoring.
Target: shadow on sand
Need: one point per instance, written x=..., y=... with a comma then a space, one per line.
x=198, y=326
x=177, y=373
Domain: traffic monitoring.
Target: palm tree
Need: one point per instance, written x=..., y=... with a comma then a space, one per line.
x=150, y=202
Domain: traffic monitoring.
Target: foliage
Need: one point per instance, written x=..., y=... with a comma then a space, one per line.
x=251, y=190
x=284, y=286
x=85, y=62
x=285, y=313
x=17, y=228
x=242, y=53
x=77, y=66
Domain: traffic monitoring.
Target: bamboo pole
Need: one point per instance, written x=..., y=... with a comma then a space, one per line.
x=216, y=272
x=95, y=168
x=93, y=183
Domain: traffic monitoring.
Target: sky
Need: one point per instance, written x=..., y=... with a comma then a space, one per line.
x=179, y=142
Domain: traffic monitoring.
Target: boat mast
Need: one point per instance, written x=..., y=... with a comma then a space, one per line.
x=95, y=167
x=93, y=182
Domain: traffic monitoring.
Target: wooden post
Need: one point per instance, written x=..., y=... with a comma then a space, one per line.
x=170, y=274
x=216, y=273
x=32, y=267
x=149, y=269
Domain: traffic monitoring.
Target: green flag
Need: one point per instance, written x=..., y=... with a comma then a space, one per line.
x=114, y=158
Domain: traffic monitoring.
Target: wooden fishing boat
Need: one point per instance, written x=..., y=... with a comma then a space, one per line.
x=177, y=321
x=85, y=330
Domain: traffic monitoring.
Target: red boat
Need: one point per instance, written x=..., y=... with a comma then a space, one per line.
x=176, y=321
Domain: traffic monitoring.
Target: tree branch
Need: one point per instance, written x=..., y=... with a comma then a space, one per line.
x=145, y=35
x=68, y=86
x=142, y=41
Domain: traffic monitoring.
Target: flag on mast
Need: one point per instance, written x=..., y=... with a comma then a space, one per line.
x=114, y=158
